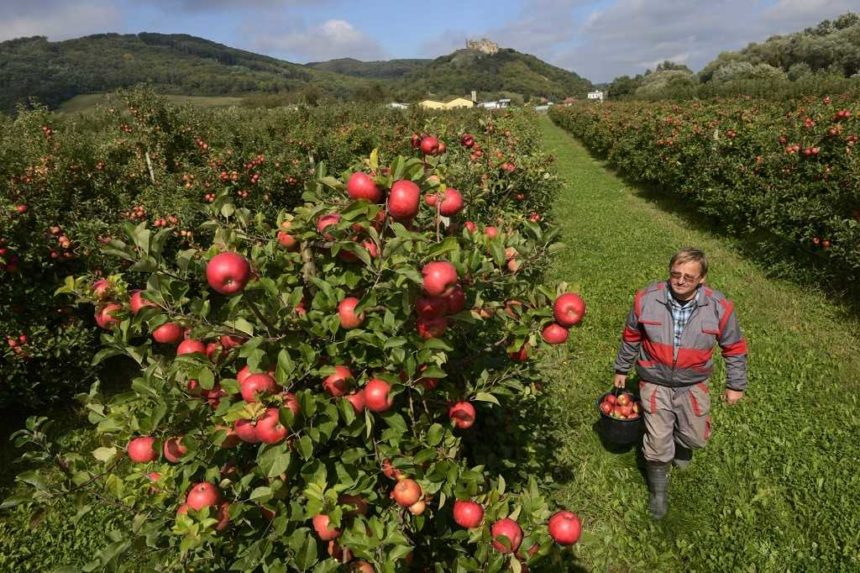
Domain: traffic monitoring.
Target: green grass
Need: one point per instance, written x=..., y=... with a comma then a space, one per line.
x=88, y=102
x=776, y=488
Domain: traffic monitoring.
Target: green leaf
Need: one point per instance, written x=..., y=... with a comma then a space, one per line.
x=274, y=461
x=261, y=494
x=434, y=434
x=305, y=447
x=103, y=354
x=104, y=454
x=487, y=397
x=227, y=210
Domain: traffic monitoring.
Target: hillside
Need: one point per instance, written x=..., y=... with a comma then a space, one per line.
x=505, y=72
x=380, y=70
x=53, y=72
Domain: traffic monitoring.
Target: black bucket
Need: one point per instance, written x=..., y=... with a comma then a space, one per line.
x=620, y=432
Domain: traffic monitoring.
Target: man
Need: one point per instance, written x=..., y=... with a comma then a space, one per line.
x=671, y=332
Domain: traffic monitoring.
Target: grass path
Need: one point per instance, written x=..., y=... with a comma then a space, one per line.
x=777, y=487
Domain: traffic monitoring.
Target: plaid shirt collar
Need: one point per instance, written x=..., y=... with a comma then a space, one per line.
x=681, y=314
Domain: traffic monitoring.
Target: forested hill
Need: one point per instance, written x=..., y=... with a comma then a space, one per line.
x=53, y=72
x=505, y=72
x=380, y=70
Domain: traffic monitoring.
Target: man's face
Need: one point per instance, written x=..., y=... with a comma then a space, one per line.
x=685, y=278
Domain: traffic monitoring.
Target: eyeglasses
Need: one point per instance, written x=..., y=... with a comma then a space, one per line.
x=687, y=278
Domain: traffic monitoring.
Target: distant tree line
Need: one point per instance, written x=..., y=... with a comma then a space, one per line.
x=822, y=59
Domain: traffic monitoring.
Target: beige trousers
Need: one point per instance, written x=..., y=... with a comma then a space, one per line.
x=674, y=414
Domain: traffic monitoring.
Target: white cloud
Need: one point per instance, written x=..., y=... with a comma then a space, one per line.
x=57, y=20
x=331, y=39
x=629, y=36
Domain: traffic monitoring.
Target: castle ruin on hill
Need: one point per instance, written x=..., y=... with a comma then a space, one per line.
x=483, y=45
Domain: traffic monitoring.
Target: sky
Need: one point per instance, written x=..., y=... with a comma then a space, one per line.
x=598, y=39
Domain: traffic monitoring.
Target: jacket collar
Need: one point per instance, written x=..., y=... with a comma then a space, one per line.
x=701, y=296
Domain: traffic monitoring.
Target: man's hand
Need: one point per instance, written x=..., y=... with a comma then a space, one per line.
x=732, y=396
x=620, y=380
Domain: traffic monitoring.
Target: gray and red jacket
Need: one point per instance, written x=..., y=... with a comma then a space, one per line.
x=648, y=338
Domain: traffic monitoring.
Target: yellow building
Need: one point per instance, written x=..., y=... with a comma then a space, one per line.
x=454, y=103
x=431, y=104
x=459, y=102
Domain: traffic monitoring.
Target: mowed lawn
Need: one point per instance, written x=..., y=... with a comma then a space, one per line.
x=778, y=487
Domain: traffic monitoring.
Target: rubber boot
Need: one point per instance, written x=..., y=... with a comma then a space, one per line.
x=683, y=456
x=658, y=483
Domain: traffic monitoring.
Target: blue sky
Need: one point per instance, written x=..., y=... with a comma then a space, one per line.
x=598, y=39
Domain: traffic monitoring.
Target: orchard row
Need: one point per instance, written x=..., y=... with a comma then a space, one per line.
x=783, y=174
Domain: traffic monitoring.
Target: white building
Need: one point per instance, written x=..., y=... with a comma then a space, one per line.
x=598, y=95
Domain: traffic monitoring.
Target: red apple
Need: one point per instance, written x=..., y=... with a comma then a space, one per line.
x=406, y=492
x=105, y=316
x=356, y=399
x=362, y=186
x=203, y=494
x=418, y=507
x=269, y=428
x=470, y=226
x=568, y=309
x=228, y=273
x=174, y=449
x=326, y=221
x=462, y=415
x=168, y=333
x=439, y=277
x=247, y=431
x=404, y=199
x=376, y=395
x=287, y=241
x=291, y=402
x=223, y=517
x=429, y=145
x=520, y=355
x=555, y=334
x=606, y=407
x=337, y=384
x=229, y=342
x=452, y=203
x=456, y=299
x=257, y=384
x=321, y=526
x=346, y=310
x=491, y=232
x=431, y=327
x=623, y=399
x=190, y=346
x=508, y=529
x=101, y=289
x=390, y=471
x=468, y=514
x=141, y=450
x=431, y=306
x=565, y=527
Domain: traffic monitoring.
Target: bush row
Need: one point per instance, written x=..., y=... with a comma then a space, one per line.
x=68, y=184
x=317, y=382
x=781, y=174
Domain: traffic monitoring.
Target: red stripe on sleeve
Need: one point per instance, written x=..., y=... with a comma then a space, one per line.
x=729, y=308
x=738, y=348
x=632, y=335
x=637, y=303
